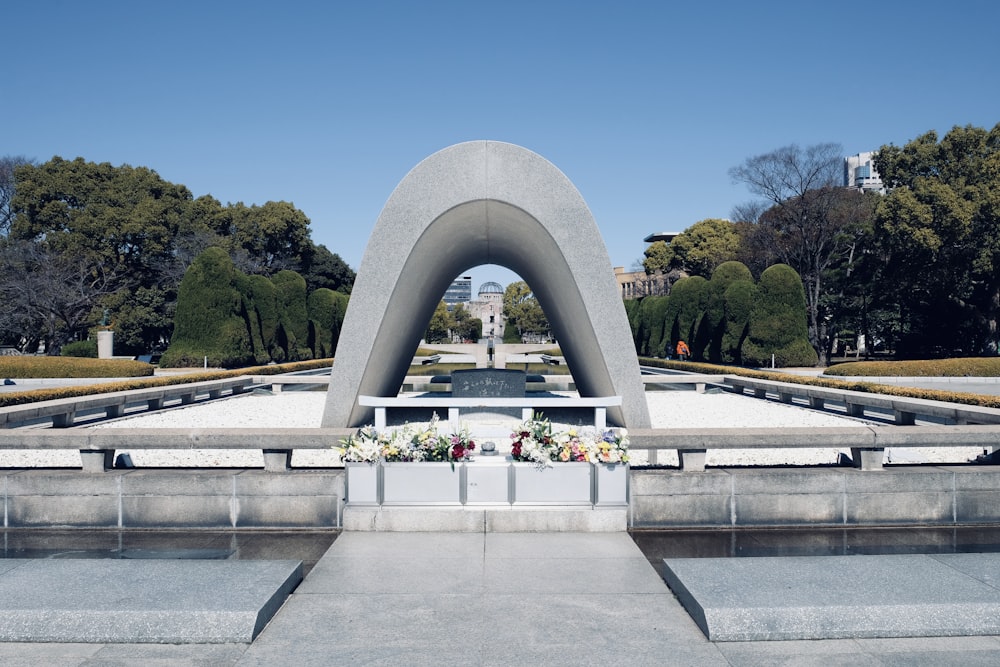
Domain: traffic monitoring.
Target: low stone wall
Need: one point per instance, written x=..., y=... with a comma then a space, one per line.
x=913, y=495
x=719, y=498
x=183, y=499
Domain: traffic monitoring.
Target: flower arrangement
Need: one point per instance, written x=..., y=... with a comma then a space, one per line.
x=409, y=443
x=366, y=446
x=535, y=442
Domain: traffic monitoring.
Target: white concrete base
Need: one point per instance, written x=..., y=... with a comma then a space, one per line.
x=499, y=519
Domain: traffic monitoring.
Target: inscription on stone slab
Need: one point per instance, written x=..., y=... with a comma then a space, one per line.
x=487, y=383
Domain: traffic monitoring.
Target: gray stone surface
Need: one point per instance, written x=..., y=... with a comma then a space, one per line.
x=155, y=601
x=483, y=202
x=414, y=622
x=483, y=599
x=830, y=597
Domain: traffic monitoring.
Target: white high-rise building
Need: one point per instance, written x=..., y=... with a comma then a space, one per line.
x=859, y=173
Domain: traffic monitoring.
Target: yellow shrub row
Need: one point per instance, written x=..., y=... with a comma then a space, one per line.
x=71, y=367
x=971, y=367
x=964, y=398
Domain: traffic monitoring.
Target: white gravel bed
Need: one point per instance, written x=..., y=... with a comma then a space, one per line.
x=304, y=409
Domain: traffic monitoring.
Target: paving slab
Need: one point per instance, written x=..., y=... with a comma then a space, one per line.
x=482, y=599
x=141, y=601
x=541, y=612
x=830, y=597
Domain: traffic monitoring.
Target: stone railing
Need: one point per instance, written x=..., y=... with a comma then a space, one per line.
x=528, y=405
x=97, y=447
x=904, y=410
x=62, y=412
x=867, y=443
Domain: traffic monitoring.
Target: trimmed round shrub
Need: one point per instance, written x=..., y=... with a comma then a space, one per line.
x=778, y=321
x=652, y=313
x=712, y=330
x=688, y=299
x=264, y=317
x=211, y=318
x=738, y=303
x=326, y=316
x=632, y=312
x=293, y=327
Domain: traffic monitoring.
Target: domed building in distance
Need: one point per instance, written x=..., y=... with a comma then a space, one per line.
x=488, y=307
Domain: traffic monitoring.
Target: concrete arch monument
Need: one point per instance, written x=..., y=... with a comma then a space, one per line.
x=484, y=202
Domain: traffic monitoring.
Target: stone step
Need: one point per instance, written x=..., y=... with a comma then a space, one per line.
x=488, y=519
x=835, y=597
x=141, y=601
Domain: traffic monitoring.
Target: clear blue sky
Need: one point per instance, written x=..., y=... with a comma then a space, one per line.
x=643, y=105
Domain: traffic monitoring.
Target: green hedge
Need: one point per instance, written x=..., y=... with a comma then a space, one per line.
x=964, y=398
x=36, y=395
x=778, y=321
x=235, y=319
x=71, y=367
x=971, y=367
x=80, y=348
x=211, y=316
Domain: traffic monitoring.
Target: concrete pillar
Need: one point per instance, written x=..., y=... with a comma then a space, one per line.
x=105, y=344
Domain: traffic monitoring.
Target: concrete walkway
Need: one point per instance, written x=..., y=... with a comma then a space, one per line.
x=497, y=599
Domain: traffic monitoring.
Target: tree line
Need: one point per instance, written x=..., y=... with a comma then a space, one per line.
x=727, y=319
x=915, y=270
x=84, y=244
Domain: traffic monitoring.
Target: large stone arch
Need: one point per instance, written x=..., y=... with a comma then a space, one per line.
x=484, y=202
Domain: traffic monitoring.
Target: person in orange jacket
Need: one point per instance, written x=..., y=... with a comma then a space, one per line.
x=683, y=352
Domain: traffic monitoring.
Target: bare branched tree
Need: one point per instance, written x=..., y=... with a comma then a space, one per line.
x=54, y=293
x=811, y=219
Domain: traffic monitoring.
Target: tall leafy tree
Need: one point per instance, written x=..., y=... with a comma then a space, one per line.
x=439, y=325
x=322, y=268
x=268, y=238
x=522, y=311
x=8, y=164
x=124, y=218
x=658, y=256
x=129, y=224
x=937, y=240
x=705, y=245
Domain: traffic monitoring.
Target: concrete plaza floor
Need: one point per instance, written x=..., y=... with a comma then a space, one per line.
x=497, y=599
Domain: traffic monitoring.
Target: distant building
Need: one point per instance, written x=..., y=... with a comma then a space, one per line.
x=637, y=284
x=460, y=291
x=488, y=307
x=860, y=174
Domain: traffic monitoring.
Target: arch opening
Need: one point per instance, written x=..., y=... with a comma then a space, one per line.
x=472, y=204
